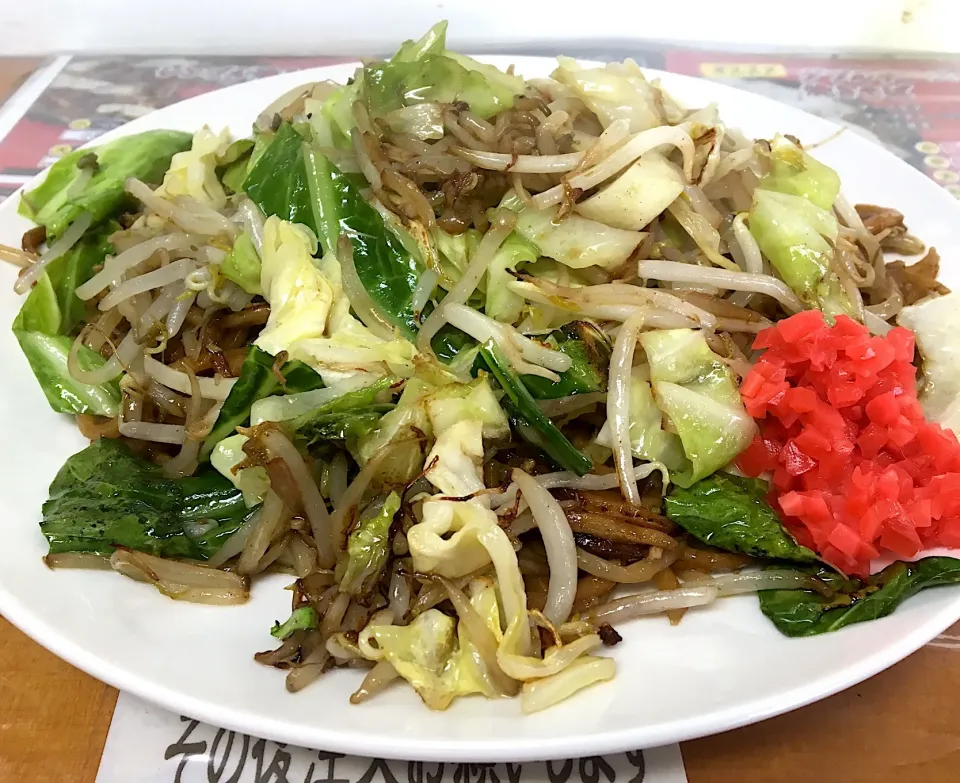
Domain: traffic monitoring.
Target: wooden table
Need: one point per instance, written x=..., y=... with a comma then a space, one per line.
x=903, y=726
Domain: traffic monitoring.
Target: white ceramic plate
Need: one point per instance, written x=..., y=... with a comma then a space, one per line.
x=724, y=666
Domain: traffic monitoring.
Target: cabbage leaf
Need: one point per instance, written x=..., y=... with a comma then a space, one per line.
x=797, y=173
x=386, y=268
x=368, y=547
x=574, y=241
x=426, y=72
x=310, y=313
x=791, y=220
x=648, y=439
x=699, y=396
x=613, y=91
x=193, y=172
x=45, y=324
x=423, y=411
x=936, y=325
x=637, y=196
x=242, y=265
x=56, y=202
x=502, y=304
x=277, y=180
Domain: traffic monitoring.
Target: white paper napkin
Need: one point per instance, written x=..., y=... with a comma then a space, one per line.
x=149, y=745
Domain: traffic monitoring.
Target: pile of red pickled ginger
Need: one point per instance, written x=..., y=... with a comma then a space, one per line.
x=856, y=467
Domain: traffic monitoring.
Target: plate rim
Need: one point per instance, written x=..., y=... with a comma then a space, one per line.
x=517, y=749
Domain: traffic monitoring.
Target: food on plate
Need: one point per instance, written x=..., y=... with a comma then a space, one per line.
x=488, y=367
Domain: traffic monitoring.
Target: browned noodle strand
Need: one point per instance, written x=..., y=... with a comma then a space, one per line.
x=709, y=560
x=591, y=590
x=615, y=529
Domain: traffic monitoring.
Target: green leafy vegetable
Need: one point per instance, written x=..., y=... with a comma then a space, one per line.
x=347, y=426
x=242, y=265
x=69, y=190
x=257, y=380
x=730, y=513
x=805, y=613
x=347, y=417
x=530, y=422
x=792, y=221
x=298, y=184
x=432, y=42
x=795, y=172
x=503, y=304
x=233, y=165
x=39, y=328
x=40, y=311
x=368, y=547
x=48, y=357
x=385, y=267
x=649, y=441
x=74, y=269
x=574, y=241
x=424, y=72
x=104, y=496
x=277, y=181
x=589, y=349
x=211, y=510
x=696, y=390
x=207, y=497
x=449, y=343
x=303, y=618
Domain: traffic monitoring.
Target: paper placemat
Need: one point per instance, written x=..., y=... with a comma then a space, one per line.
x=910, y=106
x=149, y=745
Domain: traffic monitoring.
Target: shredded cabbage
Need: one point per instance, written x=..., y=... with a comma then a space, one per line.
x=612, y=92
x=310, y=314
x=699, y=395
x=574, y=241
x=648, y=440
x=637, y=196
x=368, y=547
x=194, y=171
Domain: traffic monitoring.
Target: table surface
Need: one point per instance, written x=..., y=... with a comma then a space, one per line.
x=903, y=725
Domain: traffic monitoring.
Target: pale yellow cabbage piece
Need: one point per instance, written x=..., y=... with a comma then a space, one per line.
x=193, y=172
